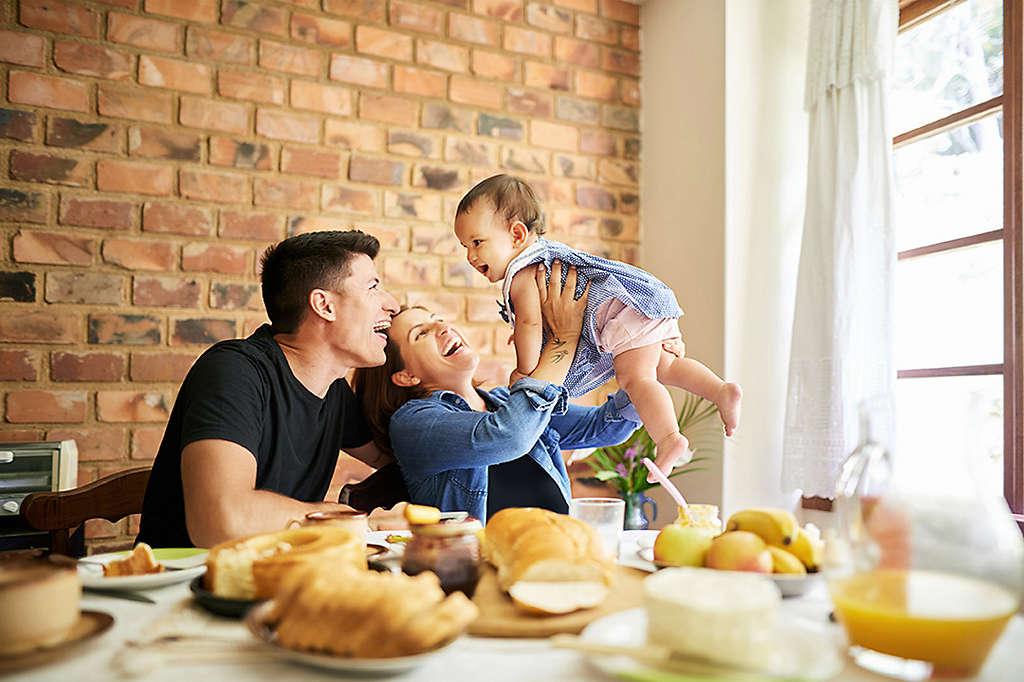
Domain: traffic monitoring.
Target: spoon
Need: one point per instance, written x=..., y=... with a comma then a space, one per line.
x=673, y=491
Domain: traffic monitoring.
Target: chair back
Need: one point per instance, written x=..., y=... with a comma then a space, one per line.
x=383, y=488
x=111, y=497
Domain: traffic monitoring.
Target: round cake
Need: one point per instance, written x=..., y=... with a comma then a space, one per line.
x=38, y=603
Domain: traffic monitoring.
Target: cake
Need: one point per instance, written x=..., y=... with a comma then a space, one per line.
x=38, y=603
x=140, y=562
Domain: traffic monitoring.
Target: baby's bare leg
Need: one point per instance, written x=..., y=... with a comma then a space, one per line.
x=695, y=377
x=637, y=373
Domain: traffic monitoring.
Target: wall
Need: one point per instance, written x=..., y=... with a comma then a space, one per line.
x=153, y=148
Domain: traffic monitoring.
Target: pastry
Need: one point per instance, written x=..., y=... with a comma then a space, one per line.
x=38, y=603
x=140, y=562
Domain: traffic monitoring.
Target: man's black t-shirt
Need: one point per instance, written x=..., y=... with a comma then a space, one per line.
x=243, y=391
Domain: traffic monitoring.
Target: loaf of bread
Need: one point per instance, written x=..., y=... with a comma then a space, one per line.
x=253, y=567
x=537, y=545
x=366, y=614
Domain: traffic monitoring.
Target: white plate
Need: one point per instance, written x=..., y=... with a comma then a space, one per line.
x=790, y=584
x=395, y=549
x=798, y=652
x=399, y=664
x=92, y=575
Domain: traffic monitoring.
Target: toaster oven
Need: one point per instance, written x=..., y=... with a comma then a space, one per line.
x=26, y=468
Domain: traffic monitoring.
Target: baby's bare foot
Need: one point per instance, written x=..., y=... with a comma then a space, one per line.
x=728, y=402
x=673, y=450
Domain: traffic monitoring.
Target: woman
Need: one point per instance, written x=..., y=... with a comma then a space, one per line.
x=464, y=448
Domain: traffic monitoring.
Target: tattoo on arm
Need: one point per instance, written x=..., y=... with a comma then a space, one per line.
x=558, y=356
x=557, y=343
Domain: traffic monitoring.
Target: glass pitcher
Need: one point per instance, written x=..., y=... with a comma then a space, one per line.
x=927, y=565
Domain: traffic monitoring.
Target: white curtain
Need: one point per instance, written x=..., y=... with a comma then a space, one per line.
x=842, y=328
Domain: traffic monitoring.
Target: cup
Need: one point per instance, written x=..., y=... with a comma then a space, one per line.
x=353, y=521
x=604, y=514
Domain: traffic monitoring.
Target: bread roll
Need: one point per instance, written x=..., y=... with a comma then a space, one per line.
x=530, y=544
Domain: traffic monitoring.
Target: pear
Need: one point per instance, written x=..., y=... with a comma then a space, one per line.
x=739, y=550
x=682, y=545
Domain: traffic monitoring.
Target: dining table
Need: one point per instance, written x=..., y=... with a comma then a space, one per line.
x=174, y=640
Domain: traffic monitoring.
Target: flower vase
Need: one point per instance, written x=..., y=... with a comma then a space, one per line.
x=635, y=518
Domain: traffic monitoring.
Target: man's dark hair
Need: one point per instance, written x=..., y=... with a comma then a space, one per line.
x=315, y=260
x=510, y=197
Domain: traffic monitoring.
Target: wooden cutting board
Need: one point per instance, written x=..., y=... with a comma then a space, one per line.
x=499, y=617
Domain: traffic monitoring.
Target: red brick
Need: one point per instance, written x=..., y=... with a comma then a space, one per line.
x=630, y=92
x=572, y=166
x=121, y=102
x=439, y=241
x=529, y=103
x=56, y=170
x=509, y=10
x=391, y=238
x=473, y=29
x=97, y=288
x=39, y=327
x=148, y=34
x=368, y=10
x=416, y=17
x=472, y=152
x=73, y=366
x=377, y=41
x=220, y=46
x=162, y=366
x=481, y=308
x=251, y=86
x=598, y=142
x=412, y=144
x=18, y=365
x=46, y=91
x=51, y=247
x=593, y=28
x=93, y=444
x=629, y=202
x=326, y=98
x=621, y=118
x=548, y=18
x=18, y=286
x=497, y=66
x=68, y=132
x=619, y=10
x=204, y=332
x=375, y=171
x=214, y=186
x=257, y=226
x=578, y=52
x=134, y=254
x=174, y=74
x=618, y=172
x=442, y=55
x=359, y=71
x=165, y=292
x=310, y=162
x=387, y=109
x=235, y=296
x=102, y=529
x=596, y=85
x=525, y=160
x=597, y=198
x=440, y=116
x=127, y=176
x=366, y=138
x=229, y=260
x=414, y=81
x=349, y=199
x=18, y=125
x=60, y=17
x=412, y=205
x=21, y=48
x=131, y=406
x=621, y=62
x=93, y=60
x=412, y=271
x=546, y=76
x=527, y=42
x=280, y=125
x=285, y=193
x=193, y=10
x=127, y=4
x=447, y=305
x=116, y=215
x=577, y=110
x=163, y=144
x=19, y=206
x=124, y=330
x=465, y=90
x=225, y=151
x=580, y=5
x=281, y=57
x=245, y=14
x=251, y=324
x=322, y=31
x=308, y=4
x=146, y=442
x=46, y=406
x=86, y=475
x=630, y=38
x=204, y=113
x=458, y=273
x=177, y=219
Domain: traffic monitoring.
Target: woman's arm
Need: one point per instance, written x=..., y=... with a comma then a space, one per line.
x=588, y=427
x=563, y=317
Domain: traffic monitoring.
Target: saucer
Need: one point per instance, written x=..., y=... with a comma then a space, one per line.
x=90, y=625
x=221, y=606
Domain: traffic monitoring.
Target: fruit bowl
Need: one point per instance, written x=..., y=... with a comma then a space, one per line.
x=789, y=584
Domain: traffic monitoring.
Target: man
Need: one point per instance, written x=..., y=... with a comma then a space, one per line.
x=255, y=431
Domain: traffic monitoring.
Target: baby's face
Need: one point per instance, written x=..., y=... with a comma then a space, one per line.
x=488, y=241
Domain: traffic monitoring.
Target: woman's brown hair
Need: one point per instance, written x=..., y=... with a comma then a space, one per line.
x=381, y=397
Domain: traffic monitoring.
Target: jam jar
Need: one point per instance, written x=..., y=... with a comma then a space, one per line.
x=451, y=549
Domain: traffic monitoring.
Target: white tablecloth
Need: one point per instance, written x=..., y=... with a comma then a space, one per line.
x=470, y=659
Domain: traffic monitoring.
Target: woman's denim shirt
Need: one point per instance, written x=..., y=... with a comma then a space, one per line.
x=444, y=446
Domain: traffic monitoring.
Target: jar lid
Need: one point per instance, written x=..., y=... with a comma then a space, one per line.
x=447, y=528
x=340, y=514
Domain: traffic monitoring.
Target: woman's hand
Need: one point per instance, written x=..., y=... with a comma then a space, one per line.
x=388, y=519
x=563, y=315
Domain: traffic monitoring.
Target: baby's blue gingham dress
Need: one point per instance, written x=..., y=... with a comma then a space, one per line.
x=609, y=279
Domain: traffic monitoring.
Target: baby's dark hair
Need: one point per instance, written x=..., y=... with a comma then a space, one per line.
x=511, y=198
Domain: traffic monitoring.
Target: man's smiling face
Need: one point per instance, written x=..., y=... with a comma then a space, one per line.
x=364, y=314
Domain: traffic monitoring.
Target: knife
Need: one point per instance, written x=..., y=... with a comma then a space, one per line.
x=121, y=594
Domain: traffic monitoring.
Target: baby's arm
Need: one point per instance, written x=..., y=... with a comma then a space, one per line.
x=527, y=334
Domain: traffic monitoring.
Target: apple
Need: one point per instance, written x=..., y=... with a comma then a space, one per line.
x=682, y=545
x=739, y=550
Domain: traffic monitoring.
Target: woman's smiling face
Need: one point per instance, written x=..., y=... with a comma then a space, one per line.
x=432, y=350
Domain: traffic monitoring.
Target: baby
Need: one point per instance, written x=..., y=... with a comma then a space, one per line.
x=630, y=328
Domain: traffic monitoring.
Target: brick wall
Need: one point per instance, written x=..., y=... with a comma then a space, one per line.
x=153, y=148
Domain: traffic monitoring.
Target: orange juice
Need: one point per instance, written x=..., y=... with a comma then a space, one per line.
x=948, y=620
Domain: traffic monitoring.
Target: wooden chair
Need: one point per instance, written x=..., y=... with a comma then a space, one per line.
x=111, y=497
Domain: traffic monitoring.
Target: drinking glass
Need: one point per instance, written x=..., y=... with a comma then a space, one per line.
x=605, y=514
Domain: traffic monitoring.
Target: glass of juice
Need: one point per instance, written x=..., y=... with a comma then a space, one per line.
x=926, y=568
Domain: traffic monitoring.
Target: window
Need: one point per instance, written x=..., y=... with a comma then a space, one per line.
x=956, y=109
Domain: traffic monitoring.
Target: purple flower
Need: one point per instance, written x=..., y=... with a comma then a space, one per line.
x=632, y=453
x=620, y=469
